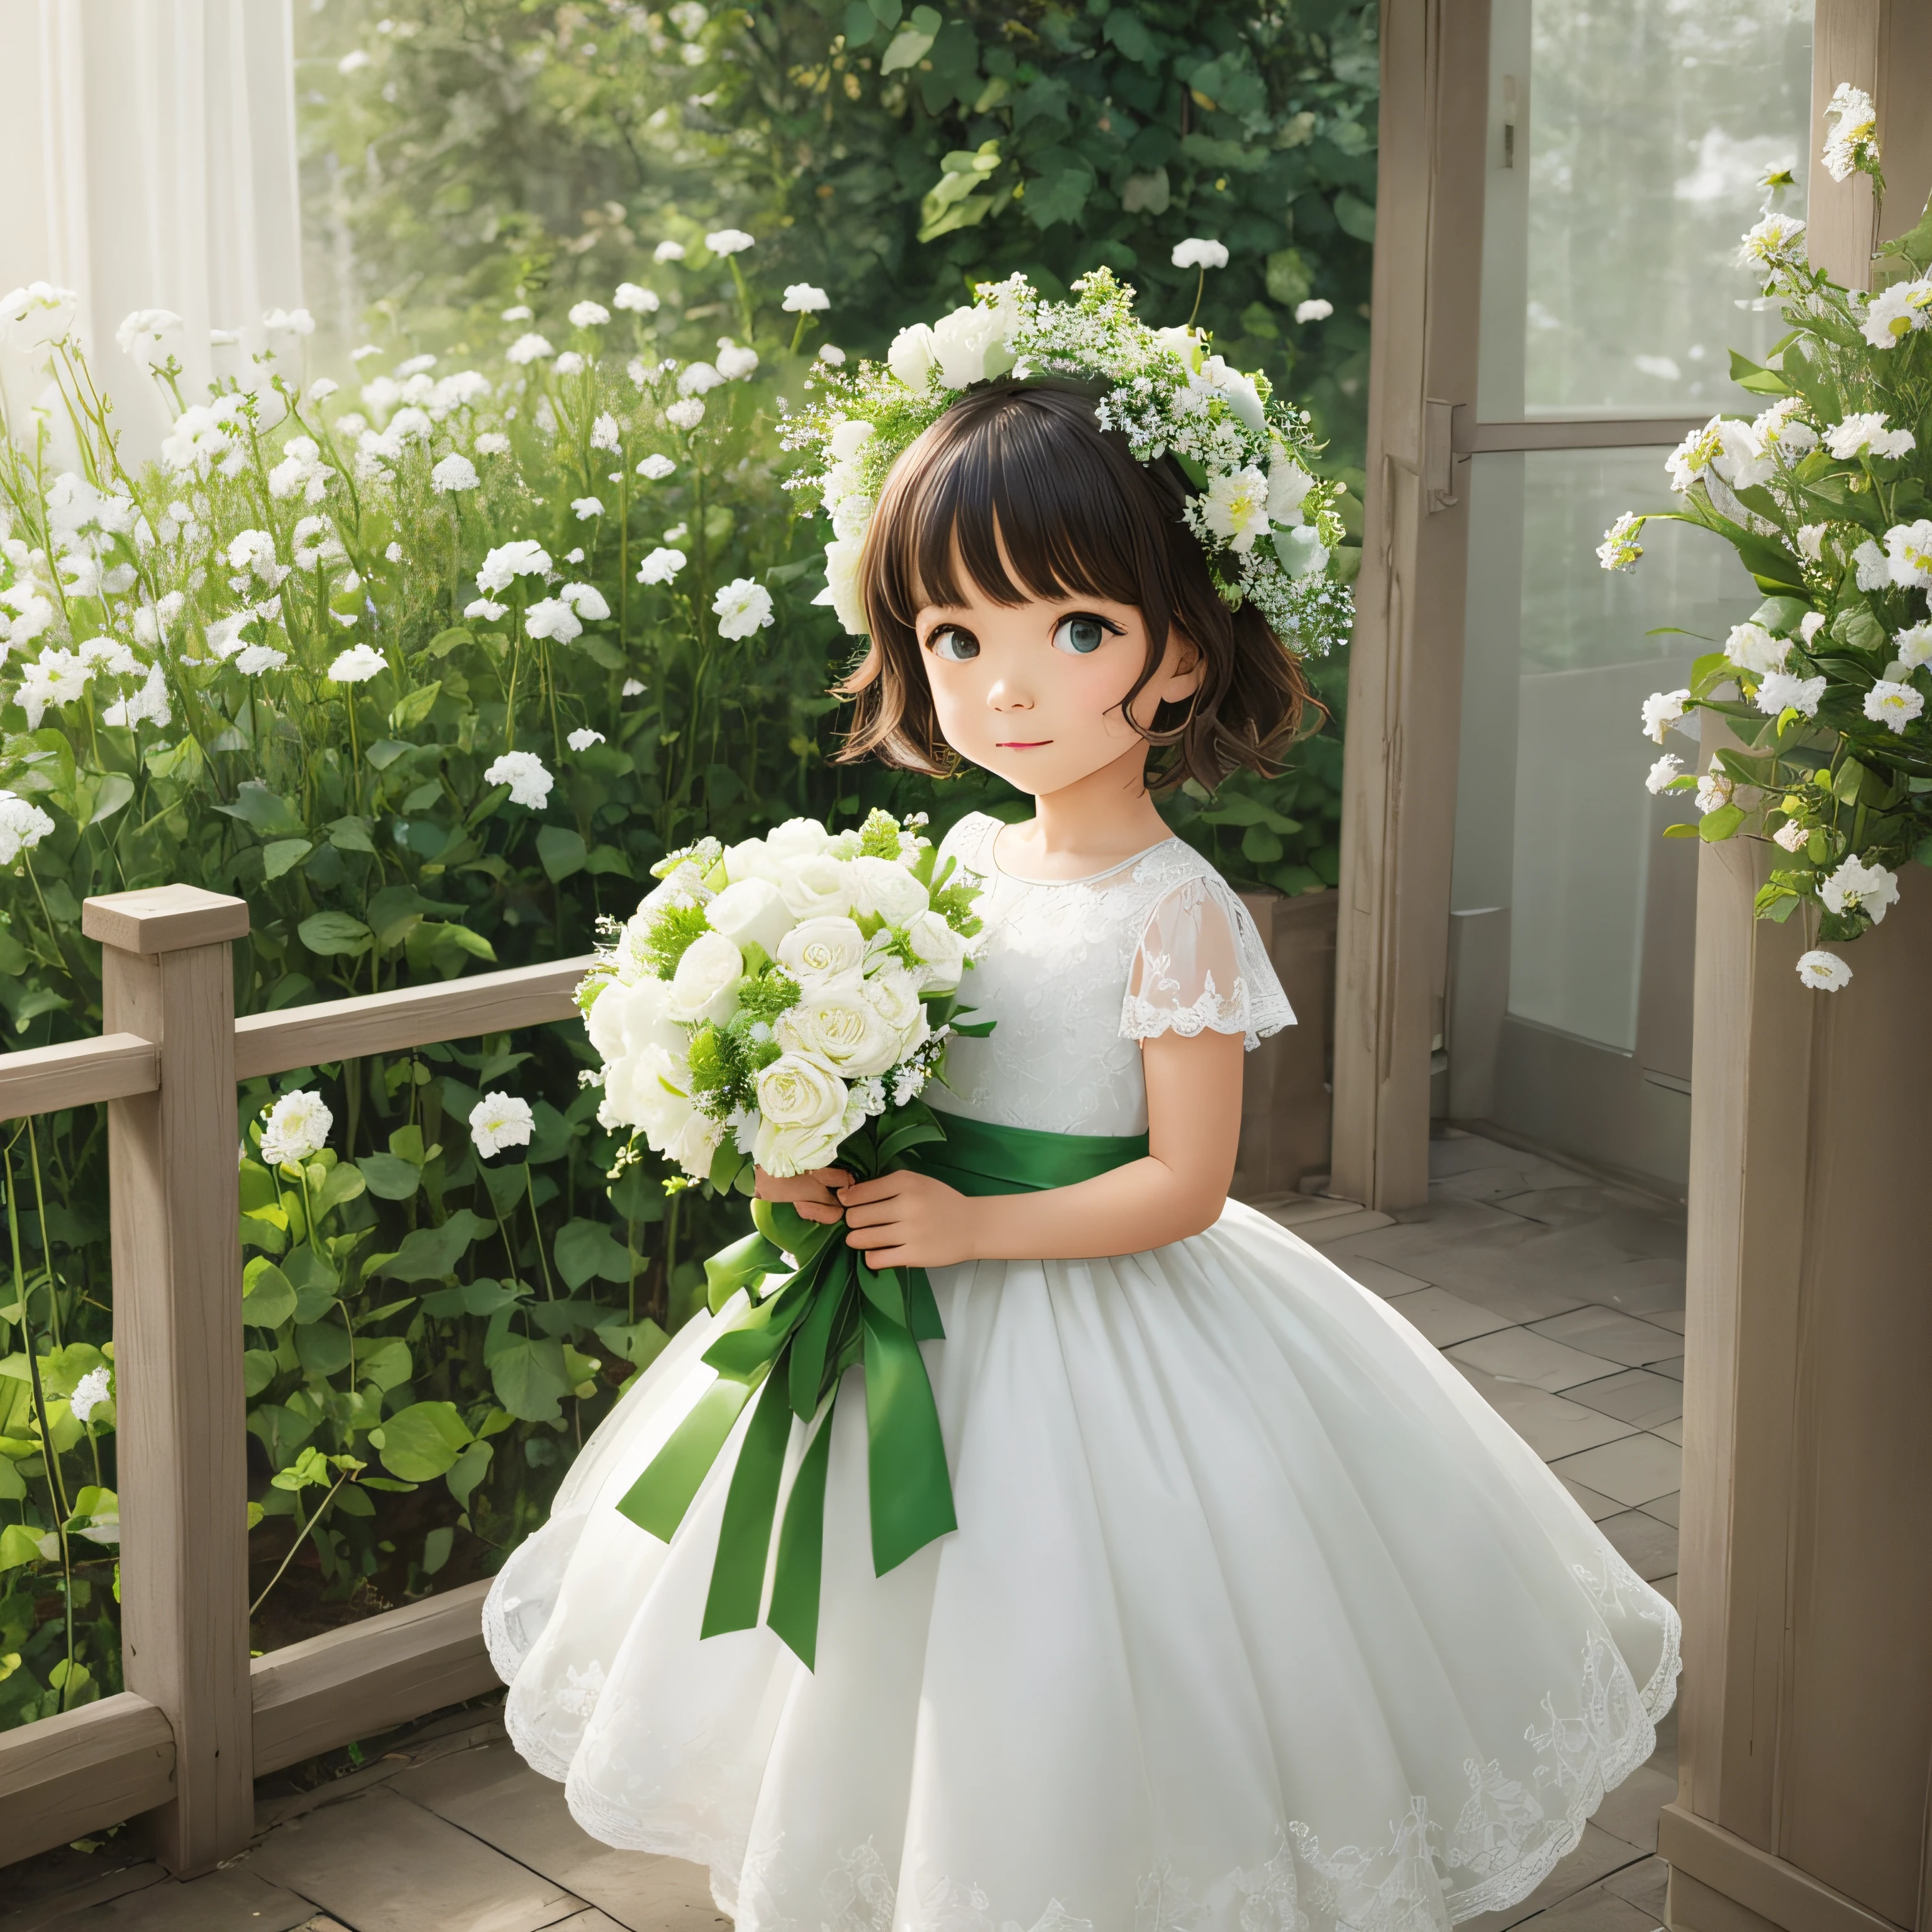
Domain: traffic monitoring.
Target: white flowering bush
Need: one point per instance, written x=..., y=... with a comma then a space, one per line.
x=1825, y=492
x=770, y=1000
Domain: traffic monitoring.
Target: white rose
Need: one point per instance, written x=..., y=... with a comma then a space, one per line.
x=842, y=595
x=750, y=911
x=1217, y=374
x=884, y=887
x=817, y=949
x=752, y=859
x=1184, y=343
x=695, y=1145
x=893, y=995
x=817, y=885
x=1288, y=484
x=849, y=437
x=838, y=1024
x=802, y=1111
x=912, y=357
x=970, y=346
x=646, y=1089
x=942, y=952
x=705, y=986
x=623, y=1019
x=797, y=837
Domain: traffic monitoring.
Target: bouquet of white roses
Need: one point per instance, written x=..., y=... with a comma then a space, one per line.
x=769, y=999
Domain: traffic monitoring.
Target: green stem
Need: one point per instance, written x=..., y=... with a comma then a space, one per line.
x=303, y=1530
x=536, y=1229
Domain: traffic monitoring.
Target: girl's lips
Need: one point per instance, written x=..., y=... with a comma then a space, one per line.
x=1022, y=744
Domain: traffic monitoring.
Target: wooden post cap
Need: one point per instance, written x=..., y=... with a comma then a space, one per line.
x=164, y=919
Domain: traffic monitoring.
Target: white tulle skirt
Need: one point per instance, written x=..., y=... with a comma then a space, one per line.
x=1257, y=1618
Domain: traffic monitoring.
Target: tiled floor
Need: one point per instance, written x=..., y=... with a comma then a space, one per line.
x=1562, y=1299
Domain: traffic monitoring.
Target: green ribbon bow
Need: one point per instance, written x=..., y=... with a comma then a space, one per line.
x=787, y=1352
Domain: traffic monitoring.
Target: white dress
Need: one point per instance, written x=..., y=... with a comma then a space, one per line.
x=1257, y=1619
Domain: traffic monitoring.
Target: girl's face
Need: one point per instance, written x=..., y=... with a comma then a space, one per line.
x=1035, y=692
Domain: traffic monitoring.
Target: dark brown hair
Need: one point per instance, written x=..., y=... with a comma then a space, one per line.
x=1029, y=466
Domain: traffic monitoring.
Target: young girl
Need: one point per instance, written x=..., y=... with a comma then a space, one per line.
x=1257, y=1619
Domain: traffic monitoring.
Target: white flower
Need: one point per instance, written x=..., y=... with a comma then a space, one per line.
x=301, y=471
x=836, y=1023
x=1913, y=647
x=587, y=507
x=148, y=705
x=22, y=827
x=743, y=607
x=486, y=608
x=893, y=993
x=633, y=688
x=1772, y=244
x=289, y=322
x=357, y=665
x=583, y=738
x=524, y=773
x=1782, y=432
x=694, y=378
x=1195, y=253
x=1811, y=542
x=500, y=1121
x=1661, y=773
x=551, y=617
x=727, y=241
x=1857, y=887
x=832, y=355
x=491, y=443
x=1896, y=312
x=569, y=364
x=1908, y=552
x=660, y=566
x=801, y=1110
x=204, y=439
x=587, y=600
x=734, y=364
x=1235, y=507
x=454, y=472
x=92, y=1390
x=253, y=659
x=826, y=947
x=637, y=301
x=1752, y=648
x=296, y=1127
x=705, y=986
x=802, y=299
x=1620, y=550
x=1780, y=691
x=942, y=953
x=524, y=557
x=1853, y=135
x=816, y=885
x=750, y=911
x=321, y=389
x=849, y=437
x=56, y=677
x=1823, y=972
x=603, y=432
x=527, y=349
x=969, y=345
x=656, y=468
x=1866, y=431
x=1792, y=835
x=588, y=315
x=686, y=413
x=1662, y=708
x=1893, y=705
x=1317, y=308
x=1288, y=486
x=668, y=251
x=885, y=887
x=143, y=334
x=37, y=315
x=1692, y=456
x=1714, y=791
x=1872, y=565
x=911, y=358
x=1217, y=377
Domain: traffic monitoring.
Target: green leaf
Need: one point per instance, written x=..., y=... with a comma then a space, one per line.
x=1720, y=824
x=437, y=1548
x=351, y=834
x=912, y=42
x=334, y=933
x=388, y=1364
x=321, y=1347
x=1060, y=195
x=422, y=1441
x=530, y=1379
x=258, y=1371
x=18, y=1545
x=445, y=948
x=1354, y=216
x=414, y=707
x=467, y=1471
x=270, y=815
x=561, y=851
x=314, y=1282
x=1124, y=27
x=584, y=1250
x=268, y=1298
x=387, y=1177
x=345, y=1182
x=428, y=1254
x=116, y=789
x=639, y=1341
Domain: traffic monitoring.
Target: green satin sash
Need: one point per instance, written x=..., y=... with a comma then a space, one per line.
x=786, y=1351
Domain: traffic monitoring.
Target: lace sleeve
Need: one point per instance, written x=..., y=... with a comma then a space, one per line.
x=1201, y=966
x=965, y=844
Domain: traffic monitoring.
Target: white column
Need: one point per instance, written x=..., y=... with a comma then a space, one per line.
x=149, y=149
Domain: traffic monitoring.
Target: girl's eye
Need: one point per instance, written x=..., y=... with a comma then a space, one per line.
x=955, y=646
x=1079, y=634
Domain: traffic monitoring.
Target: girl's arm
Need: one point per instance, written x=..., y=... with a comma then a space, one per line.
x=1194, y=1121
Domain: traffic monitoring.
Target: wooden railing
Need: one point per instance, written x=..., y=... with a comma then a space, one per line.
x=199, y=1720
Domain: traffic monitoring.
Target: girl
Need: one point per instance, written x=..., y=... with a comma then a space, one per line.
x=1257, y=1616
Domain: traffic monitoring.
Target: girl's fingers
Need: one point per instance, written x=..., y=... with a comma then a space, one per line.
x=824, y=1213
x=831, y=1178
x=857, y=1193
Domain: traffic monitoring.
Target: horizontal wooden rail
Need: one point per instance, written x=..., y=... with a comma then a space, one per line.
x=1730, y=1872
x=77, y=1073
x=93, y=1766
x=335, y=1029
x=369, y=1677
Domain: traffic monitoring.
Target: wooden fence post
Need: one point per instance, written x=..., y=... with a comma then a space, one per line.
x=167, y=975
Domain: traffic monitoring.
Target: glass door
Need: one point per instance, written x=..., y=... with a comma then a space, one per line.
x=1627, y=149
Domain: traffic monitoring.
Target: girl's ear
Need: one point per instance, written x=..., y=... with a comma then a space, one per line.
x=1183, y=666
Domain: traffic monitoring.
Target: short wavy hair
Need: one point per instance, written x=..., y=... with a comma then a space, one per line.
x=1026, y=466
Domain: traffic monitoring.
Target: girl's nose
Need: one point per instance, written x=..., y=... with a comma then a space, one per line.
x=1005, y=695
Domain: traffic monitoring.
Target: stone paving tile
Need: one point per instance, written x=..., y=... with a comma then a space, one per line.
x=1520, y=1355
x=233, y=1900
x=1664, y=1508
x=1444, y=1319
x=1648, y=1546
x=1671, y=1432
x=1671, y=1318
x=1636, y=1396
x=1634, y=1468
x=491, y=1793
x=1617, y=1338
x=1455, y=1152
x=1666, y=1587
x=1671, y=1366
x=1595, y=1508
x=1596, y=1909
x=1645, y=1885
x=381, y=1864
x=1630, y=1812
x=1512, y=1180
x=1551, y=1426
x=1387, y=1283
x=1596, y=1857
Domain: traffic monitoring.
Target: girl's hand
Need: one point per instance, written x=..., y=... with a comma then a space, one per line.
x=907, y=1220
x=815, y=1196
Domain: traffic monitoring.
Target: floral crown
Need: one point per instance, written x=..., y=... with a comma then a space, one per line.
x=1267, y=525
